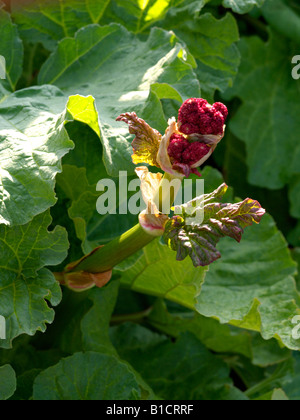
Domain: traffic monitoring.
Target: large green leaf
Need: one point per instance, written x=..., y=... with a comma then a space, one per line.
x=49, y=21
x=82, y=197
x=95, y=324
x=156, y=272
x=32, y=142
x=87, y=376
x=283, y=18
x=292, y=384
x=213, y=44
x=11, y=48
x=123, y=74
x=285, y=377
x=252, y=285
x=210, y=40
x=138, y=16
x=296, y=257
x=217, y=337
x=8, y=382
x=24, y=282
x=176, y=371
x=231, y=155
x=95, y=328
x=266, y=121
x=242, y=6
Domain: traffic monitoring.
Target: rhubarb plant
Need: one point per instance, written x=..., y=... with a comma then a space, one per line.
x=133, y=264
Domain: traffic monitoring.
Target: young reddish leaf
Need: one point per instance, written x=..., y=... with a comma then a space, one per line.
x=220, y=220
x=146, y=142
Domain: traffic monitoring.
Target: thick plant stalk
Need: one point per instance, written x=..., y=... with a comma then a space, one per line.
x=106, y=258
x=96, y=268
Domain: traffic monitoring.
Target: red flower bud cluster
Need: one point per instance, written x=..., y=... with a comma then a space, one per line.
x=182, y=151
x=197, y=116
x=200, y=128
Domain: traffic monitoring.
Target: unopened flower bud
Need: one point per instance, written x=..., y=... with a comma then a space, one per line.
x=183, y=151
x=197, y=116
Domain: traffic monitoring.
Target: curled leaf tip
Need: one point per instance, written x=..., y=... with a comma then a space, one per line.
x=146, y=142
x=80, y=281
x=151, y=220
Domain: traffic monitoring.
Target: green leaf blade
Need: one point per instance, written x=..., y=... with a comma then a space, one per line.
x=180, y=370
x=111, y=63
x=242, y=6
x=8, y=382
x=32, y=142
x=24, y=282
x=255, y=281
x=11, y=48
x=87, y=376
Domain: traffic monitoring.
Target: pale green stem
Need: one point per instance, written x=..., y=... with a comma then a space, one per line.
x=106, y=258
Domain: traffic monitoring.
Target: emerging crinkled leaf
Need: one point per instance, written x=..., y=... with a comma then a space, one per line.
x=199, y=240
x=146, y=142
x=219, y=338
x=254, y=278
x=24, y=283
